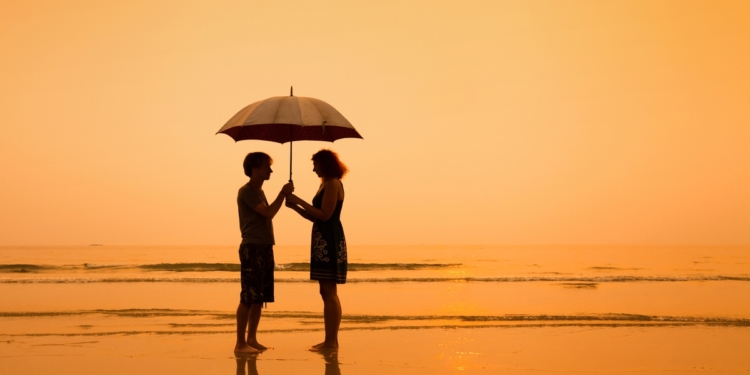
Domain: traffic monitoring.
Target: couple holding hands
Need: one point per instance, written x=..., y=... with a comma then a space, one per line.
x=327, y=249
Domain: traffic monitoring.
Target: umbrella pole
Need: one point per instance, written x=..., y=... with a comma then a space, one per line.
x=291, y=140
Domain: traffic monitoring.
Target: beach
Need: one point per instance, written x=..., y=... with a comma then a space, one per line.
x=526, y=187
x=407, y=309
x=515, y=350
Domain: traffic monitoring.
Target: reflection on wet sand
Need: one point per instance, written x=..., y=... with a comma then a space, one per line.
x=332, y=362
x=331, y=359
x=248, y=361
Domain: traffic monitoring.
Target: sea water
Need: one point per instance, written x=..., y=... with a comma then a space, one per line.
x=78, y=295
x=386, y=286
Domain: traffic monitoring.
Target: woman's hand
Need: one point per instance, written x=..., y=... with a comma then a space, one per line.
x=293, y=200
x=295, y=203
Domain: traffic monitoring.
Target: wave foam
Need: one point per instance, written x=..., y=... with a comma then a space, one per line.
x=508, y=279
x=613, y=318
x=212, y=267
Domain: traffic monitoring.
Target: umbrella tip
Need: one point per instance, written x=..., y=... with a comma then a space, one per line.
x=291, y=90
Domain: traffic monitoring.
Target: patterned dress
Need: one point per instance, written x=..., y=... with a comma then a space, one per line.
x=328, y=249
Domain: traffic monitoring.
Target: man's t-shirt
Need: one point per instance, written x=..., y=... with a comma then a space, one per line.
x=254, y=226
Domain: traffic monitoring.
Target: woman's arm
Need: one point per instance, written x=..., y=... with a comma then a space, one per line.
x=330, y=196
x=299, y=210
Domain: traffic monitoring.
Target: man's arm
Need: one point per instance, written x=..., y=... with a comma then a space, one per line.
x=269, y=211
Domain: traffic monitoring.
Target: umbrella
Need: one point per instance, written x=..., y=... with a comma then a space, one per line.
x=290, y=118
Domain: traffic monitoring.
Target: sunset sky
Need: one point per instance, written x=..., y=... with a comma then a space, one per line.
x=484, y=122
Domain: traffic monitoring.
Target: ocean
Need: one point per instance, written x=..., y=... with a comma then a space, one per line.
x=74, y=301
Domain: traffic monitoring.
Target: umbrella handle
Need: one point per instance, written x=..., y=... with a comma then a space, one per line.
x=291, y=140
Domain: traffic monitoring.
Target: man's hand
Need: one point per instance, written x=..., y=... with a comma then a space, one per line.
x=288, y=188
x=292, y=199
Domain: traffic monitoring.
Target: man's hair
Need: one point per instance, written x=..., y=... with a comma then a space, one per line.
x=255, y=160
x=330, y=165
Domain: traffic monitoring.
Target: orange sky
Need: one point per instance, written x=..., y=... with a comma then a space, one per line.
x=495, y=122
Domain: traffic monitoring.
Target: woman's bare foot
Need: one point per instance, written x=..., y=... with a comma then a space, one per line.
x=257, y=345
x=245, y=350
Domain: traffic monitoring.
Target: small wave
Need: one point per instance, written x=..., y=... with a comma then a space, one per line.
x=23, y=268
x=93, y=266
x=373, y=266
x=94, y=280
x=579, y=285
x=33, y=268
x=437, y=319
x=581, y=279
x=134, y=313
x=213, y=267
x=508, y=279
x=609, y=268
x=191, y=267
x=370, y=328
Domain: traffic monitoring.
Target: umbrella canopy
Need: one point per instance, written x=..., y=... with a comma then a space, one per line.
x=284, y=119
x=290, y=118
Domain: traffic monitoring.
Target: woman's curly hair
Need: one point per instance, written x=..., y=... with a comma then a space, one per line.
x=330, y=164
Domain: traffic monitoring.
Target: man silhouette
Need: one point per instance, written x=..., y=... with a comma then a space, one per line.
x=256, y=250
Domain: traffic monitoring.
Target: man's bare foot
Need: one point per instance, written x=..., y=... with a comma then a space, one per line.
x=257, y=346
x=245, y=350
x=324, y=347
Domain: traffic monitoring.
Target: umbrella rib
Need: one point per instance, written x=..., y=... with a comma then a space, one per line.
x=276, y=114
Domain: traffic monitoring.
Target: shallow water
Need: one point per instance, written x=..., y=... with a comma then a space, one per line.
x=55, y=297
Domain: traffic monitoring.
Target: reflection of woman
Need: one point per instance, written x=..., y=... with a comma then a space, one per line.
x=331, y=358
x=250, y=362
x=328, y=248
x=332, y=362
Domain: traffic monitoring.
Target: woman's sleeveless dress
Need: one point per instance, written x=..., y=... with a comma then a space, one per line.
x=328, y=249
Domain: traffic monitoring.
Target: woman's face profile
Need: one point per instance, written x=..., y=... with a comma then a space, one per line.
x=316, y=168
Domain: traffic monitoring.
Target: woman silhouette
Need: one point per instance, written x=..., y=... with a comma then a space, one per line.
x=328, y=248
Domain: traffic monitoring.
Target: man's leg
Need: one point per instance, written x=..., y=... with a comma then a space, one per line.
x=248, y=262
x=263, y=287
x=241, y=347
x=253, y=322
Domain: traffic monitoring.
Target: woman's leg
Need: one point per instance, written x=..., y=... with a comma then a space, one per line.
x=331, y=315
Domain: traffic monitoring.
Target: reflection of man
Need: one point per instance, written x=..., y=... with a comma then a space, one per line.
x=250, y=361
x=256, y=250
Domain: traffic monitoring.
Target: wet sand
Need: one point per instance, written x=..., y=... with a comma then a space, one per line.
x=508, y=350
